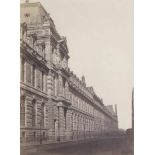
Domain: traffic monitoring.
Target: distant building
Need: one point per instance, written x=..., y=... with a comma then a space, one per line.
x=55, y=105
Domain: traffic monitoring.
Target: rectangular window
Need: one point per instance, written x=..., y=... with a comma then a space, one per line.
x=45, y=83
x=22, y=69
x=38, y=79
x=22, y=111
x=33, y=76
x=28, y=73
x=54, y=91
x=42, y=80
x=42, y=115
x=56, y=86
x=65, y=116
x=33, y=113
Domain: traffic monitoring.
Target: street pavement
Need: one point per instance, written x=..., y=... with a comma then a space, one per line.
x=111, y=147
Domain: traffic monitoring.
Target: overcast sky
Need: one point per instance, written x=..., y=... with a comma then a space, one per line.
x=100, y=41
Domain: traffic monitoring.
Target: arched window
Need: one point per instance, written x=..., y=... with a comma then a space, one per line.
x=22, y=111
x=42, y=115
x=33, y=113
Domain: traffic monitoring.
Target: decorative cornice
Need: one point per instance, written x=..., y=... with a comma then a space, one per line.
x=33, y=90
x=31, y=53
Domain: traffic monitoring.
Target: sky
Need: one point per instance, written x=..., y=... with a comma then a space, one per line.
x=100, y=42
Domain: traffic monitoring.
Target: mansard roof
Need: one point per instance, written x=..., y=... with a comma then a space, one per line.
x=36, y=13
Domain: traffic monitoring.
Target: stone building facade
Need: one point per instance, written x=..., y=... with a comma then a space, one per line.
x=55, y=105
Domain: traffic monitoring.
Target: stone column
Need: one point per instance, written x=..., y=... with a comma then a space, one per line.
x=73, y=124
x=28, y=111
x=61, y=121
x=51, y=111
x=50, y=120
x=69, y=122
x=80, y=126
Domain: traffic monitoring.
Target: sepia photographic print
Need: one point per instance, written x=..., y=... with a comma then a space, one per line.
x=76, y=84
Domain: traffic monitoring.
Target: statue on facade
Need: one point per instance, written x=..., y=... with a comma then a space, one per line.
x=56, y=56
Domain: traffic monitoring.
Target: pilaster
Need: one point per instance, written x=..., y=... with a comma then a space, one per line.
x=61, y=125
x=69, y=122
x=50, y=119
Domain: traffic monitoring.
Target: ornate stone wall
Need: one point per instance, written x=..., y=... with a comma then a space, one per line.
x=72, y=110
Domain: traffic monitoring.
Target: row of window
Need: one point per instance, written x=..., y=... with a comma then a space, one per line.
x=81, y=123
x=31, y=75
x=81, y=104
x=34, y=134
x=33, y=113
x=84, y=124
x=99, y=114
